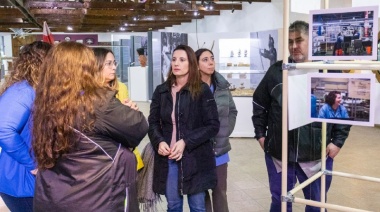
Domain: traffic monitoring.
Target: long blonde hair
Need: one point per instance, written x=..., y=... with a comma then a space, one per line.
x=65, y=100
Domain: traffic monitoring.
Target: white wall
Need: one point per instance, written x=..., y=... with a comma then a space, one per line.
x=109, y=37
x=254, y=17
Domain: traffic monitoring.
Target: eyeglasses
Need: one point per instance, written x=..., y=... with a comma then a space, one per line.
x=110, y=63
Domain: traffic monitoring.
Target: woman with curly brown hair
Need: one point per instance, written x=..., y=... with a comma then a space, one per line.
x=82, y=134
x=16, y=101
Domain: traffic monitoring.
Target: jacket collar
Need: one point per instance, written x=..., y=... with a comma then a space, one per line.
x=165, y=87
x=219, y=81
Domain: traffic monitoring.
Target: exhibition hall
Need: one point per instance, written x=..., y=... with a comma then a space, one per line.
x=294, y=98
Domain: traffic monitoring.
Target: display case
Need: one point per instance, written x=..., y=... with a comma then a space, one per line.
x=235, y=66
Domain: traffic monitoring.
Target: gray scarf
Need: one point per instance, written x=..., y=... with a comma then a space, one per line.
x=147, y=198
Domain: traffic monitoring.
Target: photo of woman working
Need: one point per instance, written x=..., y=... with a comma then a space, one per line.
x=333, y=107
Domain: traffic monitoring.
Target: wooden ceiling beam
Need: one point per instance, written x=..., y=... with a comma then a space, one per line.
x=10, y=11
x=18, y=25
x=26, y=13
x=77, y=12
x=92, y=12
x=127, y=5
x=99, y=14
x=113, y=29
x=11, y=20
x=53, y=4
x=126, y=18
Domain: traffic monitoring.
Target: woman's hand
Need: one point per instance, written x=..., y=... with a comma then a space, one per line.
x=130, y=104
x=34, y=171
x=163, y=149
x=177, y=150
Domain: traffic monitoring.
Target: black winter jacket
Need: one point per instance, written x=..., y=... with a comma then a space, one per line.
x=197, y=122
x=99, y=173
x=304, y=143
x=227, y=114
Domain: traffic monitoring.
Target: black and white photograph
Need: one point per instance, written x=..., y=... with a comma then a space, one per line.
x=343, y=34
x=342, y=98
x=169, y=41
x=264, y=47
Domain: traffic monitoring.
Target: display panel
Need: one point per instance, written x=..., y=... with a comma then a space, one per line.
x=342, y=98
x=343, y=34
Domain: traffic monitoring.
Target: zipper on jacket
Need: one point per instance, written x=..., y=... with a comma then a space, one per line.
x=179, y=138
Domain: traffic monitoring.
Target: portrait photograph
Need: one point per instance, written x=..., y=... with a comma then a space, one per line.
x=342, y=98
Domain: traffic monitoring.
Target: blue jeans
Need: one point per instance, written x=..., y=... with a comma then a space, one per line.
x=312, y=191
x=18, y=204
x=175, y=199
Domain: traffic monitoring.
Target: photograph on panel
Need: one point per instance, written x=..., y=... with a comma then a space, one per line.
x=342, y=98
x=343, y=34
x=169, y=41
x=264, y=47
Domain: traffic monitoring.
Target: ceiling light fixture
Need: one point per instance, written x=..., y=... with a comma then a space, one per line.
x=122, y=28
x=70, y=28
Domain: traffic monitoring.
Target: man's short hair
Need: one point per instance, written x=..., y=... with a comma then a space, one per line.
x=299, y=26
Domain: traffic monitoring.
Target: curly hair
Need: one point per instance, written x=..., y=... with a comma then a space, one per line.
x=27, y=65
x=101, y=54
x=330, y=98
x=65, y=99
x=194, y=81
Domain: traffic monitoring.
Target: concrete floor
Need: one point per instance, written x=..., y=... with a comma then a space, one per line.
x=248, y=182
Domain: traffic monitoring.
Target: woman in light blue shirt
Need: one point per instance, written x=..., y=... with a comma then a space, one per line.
x=332, y=107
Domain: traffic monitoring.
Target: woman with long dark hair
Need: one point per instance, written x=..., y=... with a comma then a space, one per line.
x=227, y=117
x=82, y=137
x=183, y=118
x=16, y=102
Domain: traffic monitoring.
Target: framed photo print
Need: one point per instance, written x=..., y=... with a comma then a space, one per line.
x=343, y=34
x=342, y=98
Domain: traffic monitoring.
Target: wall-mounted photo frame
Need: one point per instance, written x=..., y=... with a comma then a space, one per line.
x=343, y=34
x=342, y=98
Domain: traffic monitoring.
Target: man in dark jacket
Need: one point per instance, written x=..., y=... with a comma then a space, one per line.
x=304, y=143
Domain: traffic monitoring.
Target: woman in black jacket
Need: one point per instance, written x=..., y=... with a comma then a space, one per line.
x=183, y=117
